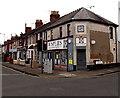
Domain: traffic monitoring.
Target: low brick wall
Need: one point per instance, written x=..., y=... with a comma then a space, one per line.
x=102, y=66
x=15, y=61
x=22, y=62
x=19, y=62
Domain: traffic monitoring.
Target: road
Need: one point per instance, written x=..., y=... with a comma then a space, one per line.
x=19, y=84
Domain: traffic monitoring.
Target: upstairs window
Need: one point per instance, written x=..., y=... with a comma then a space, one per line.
x=68, y=30
x=41, y=35
x=80, y=28
x=45, y=35
x=60, y=32
x=36, y=37
x=51, y=34
x=111, y=33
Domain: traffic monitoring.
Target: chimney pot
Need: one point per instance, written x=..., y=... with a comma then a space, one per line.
x=54, y=15
x=38, y=23
x=27, y=29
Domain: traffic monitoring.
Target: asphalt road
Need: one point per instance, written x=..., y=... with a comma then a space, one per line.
x=18, y=84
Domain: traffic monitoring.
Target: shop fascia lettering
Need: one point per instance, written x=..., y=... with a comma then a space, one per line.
x=57, y=44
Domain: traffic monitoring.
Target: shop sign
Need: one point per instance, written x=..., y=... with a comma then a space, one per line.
x=70, y=61
x=57, y=44
x=81, y=41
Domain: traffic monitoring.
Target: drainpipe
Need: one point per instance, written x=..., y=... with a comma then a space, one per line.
x=116, y=43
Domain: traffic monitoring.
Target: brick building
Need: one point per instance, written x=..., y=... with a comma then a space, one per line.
x=75, y=41
x=80, y=39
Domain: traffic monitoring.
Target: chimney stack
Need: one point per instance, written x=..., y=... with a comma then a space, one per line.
x=38, y=23
x=27, y=29
x=54, y=16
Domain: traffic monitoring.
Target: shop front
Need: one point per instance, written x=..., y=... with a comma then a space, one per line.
x=60, y=53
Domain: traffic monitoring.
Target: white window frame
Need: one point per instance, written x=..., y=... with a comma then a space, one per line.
x=84, y=29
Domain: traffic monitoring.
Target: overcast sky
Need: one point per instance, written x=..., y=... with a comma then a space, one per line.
x=15, y=13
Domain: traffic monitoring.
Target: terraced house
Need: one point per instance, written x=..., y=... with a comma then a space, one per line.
x=75, y=41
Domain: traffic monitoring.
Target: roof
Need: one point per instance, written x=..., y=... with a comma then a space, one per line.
x=82, y=14
x=39, y=29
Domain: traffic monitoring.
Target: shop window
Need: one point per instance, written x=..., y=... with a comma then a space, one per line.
x=111, y=33
x=61, y=58
x=57, y=58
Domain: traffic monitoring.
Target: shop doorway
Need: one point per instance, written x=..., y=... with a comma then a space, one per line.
x=81, y=59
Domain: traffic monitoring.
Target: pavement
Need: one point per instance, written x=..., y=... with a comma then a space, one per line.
x=62, y=74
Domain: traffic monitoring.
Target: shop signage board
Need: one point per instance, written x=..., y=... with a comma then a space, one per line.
x=57, y=44
x=81, y=41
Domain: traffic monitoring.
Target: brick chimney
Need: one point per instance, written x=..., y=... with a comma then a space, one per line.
x=27, y=29
x=38, y=23
x=54, y=16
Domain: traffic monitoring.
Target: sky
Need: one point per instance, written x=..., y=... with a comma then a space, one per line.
x=15, y=13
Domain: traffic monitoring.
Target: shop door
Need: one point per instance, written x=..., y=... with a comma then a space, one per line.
x=81, y=59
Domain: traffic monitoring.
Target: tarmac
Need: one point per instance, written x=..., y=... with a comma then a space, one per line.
x=61, y=74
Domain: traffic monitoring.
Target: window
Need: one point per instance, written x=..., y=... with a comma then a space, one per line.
x=68, y=30
x=111, y=33
x=60, y=32
x=80, y=28
x=29, y=40
x=51, y=34
x=45, y=35
x=36, y=37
